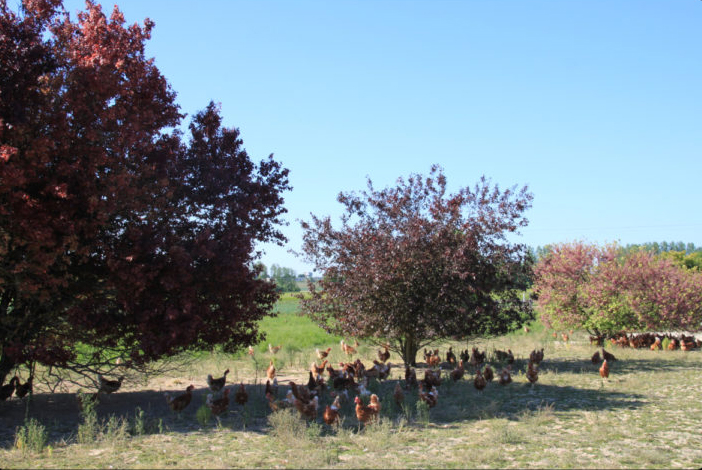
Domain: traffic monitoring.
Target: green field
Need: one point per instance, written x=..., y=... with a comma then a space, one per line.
x=647, y=414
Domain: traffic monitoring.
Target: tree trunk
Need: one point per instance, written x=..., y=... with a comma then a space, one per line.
x=6, y=365
x=409, y=350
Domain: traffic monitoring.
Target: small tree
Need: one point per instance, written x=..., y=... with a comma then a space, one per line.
x=411, y=265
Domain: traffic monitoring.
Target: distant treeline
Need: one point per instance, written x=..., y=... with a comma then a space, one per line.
x=655, y=247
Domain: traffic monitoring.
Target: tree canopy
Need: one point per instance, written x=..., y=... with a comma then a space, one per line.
x=117, y=231
x=606, y=290
x=412, y=264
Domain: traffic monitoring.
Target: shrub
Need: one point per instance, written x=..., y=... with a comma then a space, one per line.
x=31, y=437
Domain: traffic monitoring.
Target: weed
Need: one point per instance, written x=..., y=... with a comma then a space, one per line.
x=203, y=415
x=31, y=437
x=422, y=412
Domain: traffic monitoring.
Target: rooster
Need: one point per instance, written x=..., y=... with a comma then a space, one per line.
x=604, y=370
x=220, y=405
x=217, y=384
x=595, y=359
x=331, y=413
x=398, y=395
x=367, y=413
x=384, y=355
x=22, y=390
x=274, y=349
x=505, y=376
x=8, y=389
x=109, y=386
x=457, y=373
x=241, y=396
x=270, y=372
x=431, y=397
x=323, y=354
x=179, y=403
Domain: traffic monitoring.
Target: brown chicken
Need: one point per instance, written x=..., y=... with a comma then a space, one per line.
x=532, y=373
x=595, y=359
x=398, y=395
x=656, y=346
x=604, y=370
x=488, y=373
x=608, y=356
x=274, y=349
x=367, y=413
x=217, y=384
x=457, y=373
x=505, y=376
x=673, y=345
x=685, y=345
x=180, y=402
x=331, y=413
x=383, y=355
x=432, y=378
x=241, y=396
x=276, y=405
x=431, y=397
x=109, y=386
x=322, y=354
x=479, y=382
x=270, y=372
x=308, y=410
x=251, y=351
x=318, y=370
x=219, y=405
x=565, y=337
x=450, y=356
x=347, y=349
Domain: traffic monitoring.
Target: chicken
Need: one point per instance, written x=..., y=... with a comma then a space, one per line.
x=274, y=349
x=271, y=388
x=109, y=386
x=318, y=370
x=595, y=359
x=604, y=370
x=410, y=378
x=434, y=360
x=323, y=354
x=532, y=373
x=398, y=395
x=301, y=393
x=251, y=351
x=270, y=372
x=432, y=378
x=379, y=370
x=673, y=345
x=687, y=345
x=457, y=373
x=219, y=405
x=331, y=413
x=505, y=356
x=465, y=357
x=384, y=355
x=554, y=334
x=505, y=376
x=536, y=356
x=276, y=405
x=488, y=373
x=431, y=397
x=479, y=382
x=366, y=413
x=8, y=389
x=308, y=410
x=477, y=357
x=22, y=390
x=217, y=384
x=609, y=356
x=656, y=344
x=348, y=350
x=450, y=356
x=241, y=396
x=565, y=337
x=526, y=329
x=375, y=404
x=179, y=403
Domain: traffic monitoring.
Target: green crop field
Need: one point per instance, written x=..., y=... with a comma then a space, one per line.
x=648, y=414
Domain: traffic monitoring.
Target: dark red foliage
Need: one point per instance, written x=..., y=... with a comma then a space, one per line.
x=113, y=231
x=412, y=264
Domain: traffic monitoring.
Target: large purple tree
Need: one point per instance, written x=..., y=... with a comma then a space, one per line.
x=115, y=231
x=412, y=264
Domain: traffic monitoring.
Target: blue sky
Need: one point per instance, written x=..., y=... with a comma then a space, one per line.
x=595, y=105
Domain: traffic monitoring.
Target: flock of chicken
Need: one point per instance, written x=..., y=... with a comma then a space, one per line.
x=14, y=386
